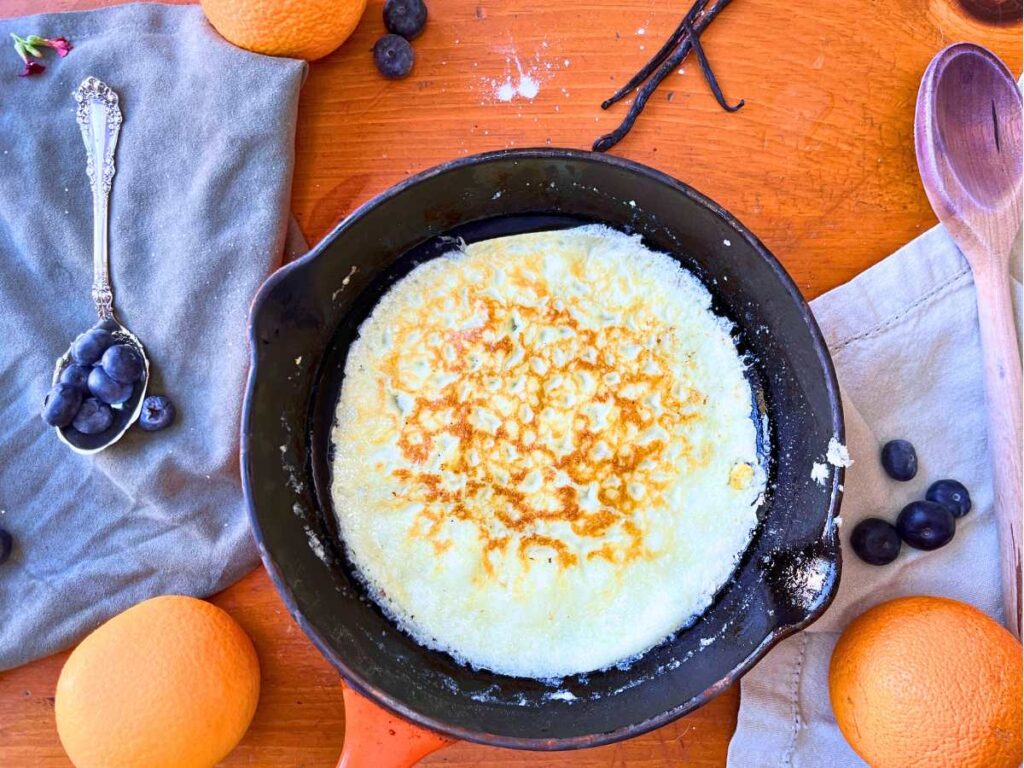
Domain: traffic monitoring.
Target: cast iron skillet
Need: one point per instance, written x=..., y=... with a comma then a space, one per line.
x=306, y=315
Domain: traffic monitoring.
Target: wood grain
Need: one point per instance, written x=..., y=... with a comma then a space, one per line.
x=968, y=139
x=820, y=163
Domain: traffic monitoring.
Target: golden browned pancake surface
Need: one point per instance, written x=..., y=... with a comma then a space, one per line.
x=544, y=457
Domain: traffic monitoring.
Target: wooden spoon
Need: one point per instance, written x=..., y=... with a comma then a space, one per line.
x=968, y=133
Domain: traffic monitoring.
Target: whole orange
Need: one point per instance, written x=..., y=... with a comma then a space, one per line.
x=170, y=683
x=927, y=681
x=300, y=29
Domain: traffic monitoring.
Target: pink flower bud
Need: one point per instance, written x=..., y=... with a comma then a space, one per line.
x=60, y=44
x=32, y=67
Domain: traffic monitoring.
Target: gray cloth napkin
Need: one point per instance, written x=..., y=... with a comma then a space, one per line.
x=199, y=217
x=904, y=338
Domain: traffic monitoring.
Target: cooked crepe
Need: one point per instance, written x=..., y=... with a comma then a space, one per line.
x=545, y=461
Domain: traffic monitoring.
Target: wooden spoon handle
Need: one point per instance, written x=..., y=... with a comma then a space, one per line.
x=1003, y=392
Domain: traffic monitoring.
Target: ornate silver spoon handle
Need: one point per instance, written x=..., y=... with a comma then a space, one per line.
x=99, y=119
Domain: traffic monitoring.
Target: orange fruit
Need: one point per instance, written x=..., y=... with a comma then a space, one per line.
x=300, y=29
x=927, y=681
x=170, y=683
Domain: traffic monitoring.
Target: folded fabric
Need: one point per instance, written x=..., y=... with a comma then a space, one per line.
x=904, y=338
x=198, y=218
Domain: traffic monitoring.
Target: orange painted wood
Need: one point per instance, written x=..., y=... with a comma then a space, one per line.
x=375, y=737
x=820, y=164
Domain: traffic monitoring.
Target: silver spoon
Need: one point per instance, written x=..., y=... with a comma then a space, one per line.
x=99, y=119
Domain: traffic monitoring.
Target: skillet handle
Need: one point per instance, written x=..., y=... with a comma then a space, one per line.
x=374, y=738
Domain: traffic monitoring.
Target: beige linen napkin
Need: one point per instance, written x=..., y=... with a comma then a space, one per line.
x=904, y=338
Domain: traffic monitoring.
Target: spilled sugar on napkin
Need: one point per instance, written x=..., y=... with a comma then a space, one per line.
x=904, y=339
x=199, y=217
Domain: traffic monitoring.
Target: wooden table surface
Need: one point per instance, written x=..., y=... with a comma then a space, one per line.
x=820, y=164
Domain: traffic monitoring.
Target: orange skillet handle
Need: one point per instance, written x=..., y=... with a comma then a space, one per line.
x=374, y=738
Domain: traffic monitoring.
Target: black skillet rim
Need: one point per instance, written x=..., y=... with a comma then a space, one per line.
x=390, y=703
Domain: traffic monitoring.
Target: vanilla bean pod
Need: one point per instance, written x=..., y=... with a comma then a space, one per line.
x=609, y=140
x=659, y=57
x=709, y=75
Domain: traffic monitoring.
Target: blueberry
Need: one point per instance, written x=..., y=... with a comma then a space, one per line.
x=158, y=412
x=875, y=541
x=393, y=56
x=952, y=495
x=61, y=404
x=6, y=545
x=108, y=324
x=405, y=17
x=122, y=363
x=74, y=374
x=93, y=417
x=89, y=346
x=899, y=459
x=106, y=389
x=926, y=525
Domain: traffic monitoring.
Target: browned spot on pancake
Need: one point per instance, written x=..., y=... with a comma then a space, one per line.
x=605, y=552
x=565, y=557
x=442, y=546
x=617, y=555
x=636, y=544
x=504, y=344
x=417, y=453
x=461, y=339
x=493, y=545
x=596, y=524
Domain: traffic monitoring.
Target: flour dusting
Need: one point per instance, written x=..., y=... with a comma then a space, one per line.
x=523, y=78
x=316, y=545
x=819, y=473
x=505, y=92
x=528, y=87
x=837, y=454
x=807, y=580
x=560, y=696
